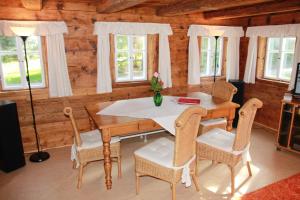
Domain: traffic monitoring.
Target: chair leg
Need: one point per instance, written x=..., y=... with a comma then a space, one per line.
x=80, y=175
x=173, y=191
x=74, y=164
x=249, y=168
x=119, y=167
x=196, y=182
x=137, y=182
x=232, y=180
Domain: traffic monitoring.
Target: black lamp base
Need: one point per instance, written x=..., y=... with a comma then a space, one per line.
x=39, y=156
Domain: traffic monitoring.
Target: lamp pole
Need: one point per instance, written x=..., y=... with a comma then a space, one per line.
x=215, y=69
x=38, y=156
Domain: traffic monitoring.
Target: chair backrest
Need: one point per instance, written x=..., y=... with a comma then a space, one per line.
x=69, y=112
x=223, y=90
x=187, y=125
x=246, y=118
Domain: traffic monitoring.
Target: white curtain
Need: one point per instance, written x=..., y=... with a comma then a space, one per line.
x=233, y=58
x=194, y=61
x=164, y=61
x=59, y=82
x=232, y=64
x=103, y=29
x=104, y=84
x=287, y=30
x=250, y=70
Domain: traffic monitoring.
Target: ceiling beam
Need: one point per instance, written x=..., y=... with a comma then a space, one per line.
x=259, y=9
x=192, y=6
x=111, y=6
x=32, y=4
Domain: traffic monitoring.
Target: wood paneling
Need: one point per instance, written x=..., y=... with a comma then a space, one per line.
x=81, y=48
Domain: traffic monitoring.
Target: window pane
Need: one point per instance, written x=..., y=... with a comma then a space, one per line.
x=287, y=66
x=122, y=64
x=138, y=69
x=11, y=70
x=35, y=69
x=137, y=56
x=32, y=44
x=272, y=66
x=204, y=43
x=7, y=43
x=203, y=64
x=138, y=42
x=274, y=43
x=122, y=42
x=289, y=44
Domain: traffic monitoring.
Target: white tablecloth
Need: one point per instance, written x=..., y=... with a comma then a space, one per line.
x=165, y=115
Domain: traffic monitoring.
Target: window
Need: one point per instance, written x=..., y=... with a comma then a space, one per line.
x=207, y=63
x=130, y=58
x=13, y=66
x=279, y=58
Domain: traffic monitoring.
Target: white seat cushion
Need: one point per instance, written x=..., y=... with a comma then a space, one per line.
x=213, y=121
x=92, y=139
x=161, y=152
x=218, y=138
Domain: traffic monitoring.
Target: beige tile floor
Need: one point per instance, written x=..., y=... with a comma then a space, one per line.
x=55, y=178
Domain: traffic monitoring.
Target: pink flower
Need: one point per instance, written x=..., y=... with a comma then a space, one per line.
x=156, y=74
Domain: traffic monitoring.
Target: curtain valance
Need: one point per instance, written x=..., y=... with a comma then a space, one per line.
x=224, y=31
x=274, y=31
x=37, y=28
x=131, y=28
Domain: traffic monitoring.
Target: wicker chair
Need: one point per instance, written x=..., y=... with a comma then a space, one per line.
x=166, y=160
x=225, y=147
x=87, y=147
x=221, y=90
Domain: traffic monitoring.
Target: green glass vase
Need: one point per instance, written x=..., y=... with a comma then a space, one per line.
x=157, y=98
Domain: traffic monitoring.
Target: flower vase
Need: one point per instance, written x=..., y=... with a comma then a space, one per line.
x=157, y=98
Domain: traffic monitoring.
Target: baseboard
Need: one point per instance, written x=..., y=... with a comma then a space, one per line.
x=267, y=128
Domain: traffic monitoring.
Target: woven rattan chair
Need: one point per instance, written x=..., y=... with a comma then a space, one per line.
x=221, y=90
x=164, y=159
x=226, y=147
x=87, y=147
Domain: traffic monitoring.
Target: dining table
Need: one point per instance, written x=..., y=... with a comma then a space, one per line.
x=113, y=125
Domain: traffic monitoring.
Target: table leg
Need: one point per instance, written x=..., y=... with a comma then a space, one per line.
x=230, y=119
x=107, y=161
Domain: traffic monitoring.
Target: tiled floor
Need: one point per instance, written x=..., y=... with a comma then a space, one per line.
x=55, y=178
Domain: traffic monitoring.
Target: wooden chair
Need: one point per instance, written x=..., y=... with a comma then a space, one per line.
x=166, y=160
x=226, y=147
x=221, y=90
x=87, y=147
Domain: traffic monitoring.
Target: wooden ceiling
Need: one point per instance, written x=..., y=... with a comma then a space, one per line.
x=211, y=9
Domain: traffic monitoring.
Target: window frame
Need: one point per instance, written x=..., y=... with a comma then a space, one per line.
x=19, y=52
x=130, y=52
x=211, y=56
x=281, y=51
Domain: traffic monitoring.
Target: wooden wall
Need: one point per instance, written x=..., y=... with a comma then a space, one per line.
x=53, y=127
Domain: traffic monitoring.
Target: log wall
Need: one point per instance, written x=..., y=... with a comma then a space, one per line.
x=81, y=46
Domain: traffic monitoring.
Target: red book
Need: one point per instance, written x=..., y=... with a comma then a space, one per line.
x=186, y=100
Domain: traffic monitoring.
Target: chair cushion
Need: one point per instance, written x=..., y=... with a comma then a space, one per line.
x=161, y=152
x=218, y=138
x=211, y=122
x=92, y=139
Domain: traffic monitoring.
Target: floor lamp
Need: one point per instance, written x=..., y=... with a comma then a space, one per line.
x=215, y=69
x=40, y=155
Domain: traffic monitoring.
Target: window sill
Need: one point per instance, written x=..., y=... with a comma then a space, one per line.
x=7, y=91
x=211, y=78
x=273, y=82
x=129, y=84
